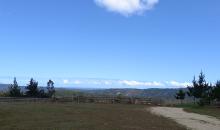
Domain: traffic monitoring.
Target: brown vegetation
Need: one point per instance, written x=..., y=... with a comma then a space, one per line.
x=68, y=116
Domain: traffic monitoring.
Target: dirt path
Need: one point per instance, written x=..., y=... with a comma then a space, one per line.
x=190, y=120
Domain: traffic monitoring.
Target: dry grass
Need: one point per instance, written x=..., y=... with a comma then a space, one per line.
x=48, y=116
x=206, y=110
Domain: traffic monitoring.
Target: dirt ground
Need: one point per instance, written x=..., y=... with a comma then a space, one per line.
x=190, y=120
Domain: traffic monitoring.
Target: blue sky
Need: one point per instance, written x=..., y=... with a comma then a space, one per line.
x=131, y=42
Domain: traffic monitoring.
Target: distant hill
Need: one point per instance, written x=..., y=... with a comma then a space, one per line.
x=167, y=94
x=3, y=87
x=153, y=93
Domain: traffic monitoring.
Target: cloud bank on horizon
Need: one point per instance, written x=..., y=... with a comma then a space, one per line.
x=103, y=83
x=127, y=7
x=99, y=83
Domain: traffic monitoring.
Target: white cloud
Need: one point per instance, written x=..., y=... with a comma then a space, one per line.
x=77, y=82
x=106, y=83
x=101, y=83
x=127, y=7
x=137, y=83
x=65, y=81
x=178, y=84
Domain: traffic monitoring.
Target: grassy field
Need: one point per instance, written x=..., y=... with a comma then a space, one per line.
x=206, y=110
x=57, y=116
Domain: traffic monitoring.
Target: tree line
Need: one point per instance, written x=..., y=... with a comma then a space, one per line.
x=202, y=92
x=31, y=90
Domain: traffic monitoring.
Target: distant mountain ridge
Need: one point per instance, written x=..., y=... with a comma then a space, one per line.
x=153, y=92
x=3, y=87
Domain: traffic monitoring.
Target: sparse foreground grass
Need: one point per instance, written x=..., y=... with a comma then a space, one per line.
x=57, y=116
x=206, y=110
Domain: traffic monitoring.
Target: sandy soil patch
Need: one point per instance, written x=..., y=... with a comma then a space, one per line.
x=190, y=120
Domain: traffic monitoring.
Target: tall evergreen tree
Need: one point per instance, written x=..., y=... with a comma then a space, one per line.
x=191, y=89
x=32, y=89
x=203, y=86
x=14, y=89
x=200, y=90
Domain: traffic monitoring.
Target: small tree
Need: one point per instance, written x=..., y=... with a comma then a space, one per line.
x=119, y=97
x=192, y=89
x=1, y=94
x=32, y=89
x=180, y=95
x=14, y=89
x=208, y=96
x=50, y=88
x=42, y=94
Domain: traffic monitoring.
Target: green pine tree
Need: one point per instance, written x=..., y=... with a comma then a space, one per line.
x=200, y=90
x=32, y=89
x=14, y=89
